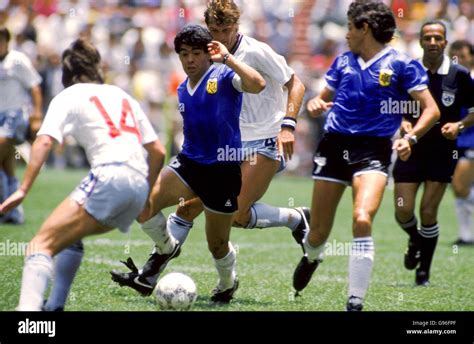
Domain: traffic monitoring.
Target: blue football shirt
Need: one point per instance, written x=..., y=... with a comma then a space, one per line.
x=371, y=97
x=211, y=117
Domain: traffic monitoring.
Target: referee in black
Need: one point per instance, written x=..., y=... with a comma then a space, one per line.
x=434, y=157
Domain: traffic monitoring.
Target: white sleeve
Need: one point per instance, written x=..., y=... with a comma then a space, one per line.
x=55, y=119
x=144, y=125
x=237, y=82
x=27, y=74
x=267, y=61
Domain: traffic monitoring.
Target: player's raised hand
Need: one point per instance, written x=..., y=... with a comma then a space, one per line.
x=403, y=148
x=217, y=50
x=316, y=106
x=13, y=201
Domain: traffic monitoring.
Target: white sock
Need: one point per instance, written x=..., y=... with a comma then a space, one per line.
x=156, y=229
x=37, y=272
x=66, y=264
x=464, y=211
x=226, y=269
x=178, y=227
x=264, y=216
x=361, y=261
x=314, y=253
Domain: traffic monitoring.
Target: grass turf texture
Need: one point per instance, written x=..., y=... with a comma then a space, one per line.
x=266, y=260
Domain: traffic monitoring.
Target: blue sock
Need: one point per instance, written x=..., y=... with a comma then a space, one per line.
x=66, y=264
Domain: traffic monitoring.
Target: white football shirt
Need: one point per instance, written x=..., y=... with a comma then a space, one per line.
x=17, y=77
x=104, y=120
x=262, y=113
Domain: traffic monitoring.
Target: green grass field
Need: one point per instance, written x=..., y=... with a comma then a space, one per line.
x=266, y=260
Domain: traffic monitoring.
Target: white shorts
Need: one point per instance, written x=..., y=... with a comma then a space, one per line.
x=113, y=194
x=266, y=147
x=14, y=125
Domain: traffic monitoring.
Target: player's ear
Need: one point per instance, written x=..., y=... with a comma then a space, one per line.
x=365, y=27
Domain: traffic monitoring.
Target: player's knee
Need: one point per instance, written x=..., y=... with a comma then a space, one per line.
x=362, y=224
x=428, y=214
x=403, y=213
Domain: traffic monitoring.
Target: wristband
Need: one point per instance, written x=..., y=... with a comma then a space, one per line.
x=289, y=122
x=411, y=139
x=226, y=56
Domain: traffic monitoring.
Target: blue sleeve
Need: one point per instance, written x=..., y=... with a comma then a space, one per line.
x=227, y=76
x=333, y=76
x=467, y=90
x=414, y=77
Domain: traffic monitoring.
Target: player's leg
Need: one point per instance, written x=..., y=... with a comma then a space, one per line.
x=367, y=193
x=66, y=265
x=258, y=169
x=404, y=199
x=181, y=222
x=12, y=131
x=218, y=227
x=168, y=190
x=325, y=199
x=9, y=182
x=463, y=180
x=68, y=223
x=17, y=215
x=5, y=147
x=332, y=175
x=429, y=231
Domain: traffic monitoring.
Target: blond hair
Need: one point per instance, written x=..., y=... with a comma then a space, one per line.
x=222, y=12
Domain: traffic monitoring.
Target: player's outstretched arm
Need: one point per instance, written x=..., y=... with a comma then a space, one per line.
x=39, y=154
x=252, y=81
x=321, y=103
x=430, y=113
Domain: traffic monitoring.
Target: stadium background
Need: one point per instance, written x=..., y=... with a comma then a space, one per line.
x=135, y=39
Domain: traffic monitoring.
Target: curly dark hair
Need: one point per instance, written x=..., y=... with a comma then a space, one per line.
x=222, y=12
x=378, y=17
x=81, y=64
x=193, y=35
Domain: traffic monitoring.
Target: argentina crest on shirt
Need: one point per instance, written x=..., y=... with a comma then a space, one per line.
x=385, y=77
x=211, y=86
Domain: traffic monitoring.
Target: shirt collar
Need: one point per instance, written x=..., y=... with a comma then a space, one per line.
x=443, y=69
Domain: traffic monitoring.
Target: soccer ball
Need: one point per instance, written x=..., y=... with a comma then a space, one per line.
x=175, y=291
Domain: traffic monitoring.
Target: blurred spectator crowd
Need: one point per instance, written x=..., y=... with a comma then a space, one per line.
x=135, y=38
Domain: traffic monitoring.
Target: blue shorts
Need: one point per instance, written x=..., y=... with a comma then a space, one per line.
x=14, y=125
x=113, y=194
x=266, y=147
